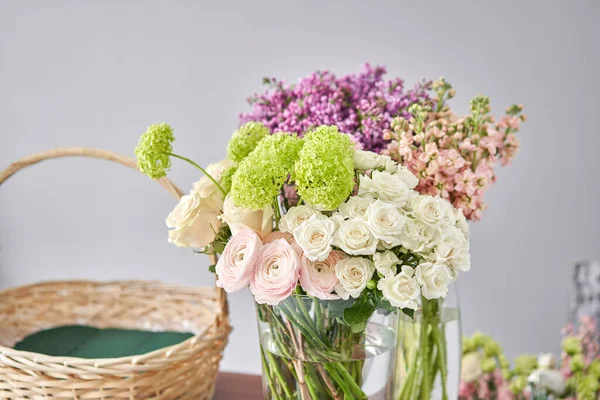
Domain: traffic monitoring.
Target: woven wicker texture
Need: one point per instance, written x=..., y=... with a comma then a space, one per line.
x=184, y=371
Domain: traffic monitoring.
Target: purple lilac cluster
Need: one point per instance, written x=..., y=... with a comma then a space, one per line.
x=362, y=105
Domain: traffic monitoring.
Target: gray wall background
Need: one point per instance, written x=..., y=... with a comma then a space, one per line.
x=96, y=73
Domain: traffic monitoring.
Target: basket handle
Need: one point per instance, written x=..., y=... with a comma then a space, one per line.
x=104, y=155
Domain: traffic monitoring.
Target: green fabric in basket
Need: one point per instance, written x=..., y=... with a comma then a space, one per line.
x=87, y=342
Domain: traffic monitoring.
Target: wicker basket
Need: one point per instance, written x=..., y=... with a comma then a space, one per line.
x=184, y=371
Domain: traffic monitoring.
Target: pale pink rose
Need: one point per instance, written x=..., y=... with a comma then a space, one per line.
x=276, y=273
x=236, y=265
x=318, y=278
x=273, y=236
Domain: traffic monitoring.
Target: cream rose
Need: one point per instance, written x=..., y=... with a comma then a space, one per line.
x=434, y=279
x=366, y=160
x=315, y=236
x=236, y=265
x=386, y=223
x=546, y=361
x=194, y=220
x=385, y=186
x=205, y=186
x=430, y=210
x=550, y=380
x=451, y=242
x=276, y=273
x=238, y=218
x=295, y=216
x=353, y=273
x=386, y=263
x=470, y=367
x=401, y=290
x=356, y=206
x=318, y=278
x=355, y=238
x=406, y=176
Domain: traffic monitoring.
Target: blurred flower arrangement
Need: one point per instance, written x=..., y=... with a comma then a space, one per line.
x=486, y=374
x=357, y=239
x=452, y=156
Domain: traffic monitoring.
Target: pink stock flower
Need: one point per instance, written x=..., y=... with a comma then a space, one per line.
x=318, y=278
x=236, y=265
x=467, y=390
x=276, y=273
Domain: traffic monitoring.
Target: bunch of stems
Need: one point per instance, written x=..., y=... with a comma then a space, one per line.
x=308, y=355
x=421, y=354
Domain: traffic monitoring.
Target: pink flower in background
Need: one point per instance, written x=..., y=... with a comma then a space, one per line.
x=236, y=265
x=318, y=278
x=276, y=273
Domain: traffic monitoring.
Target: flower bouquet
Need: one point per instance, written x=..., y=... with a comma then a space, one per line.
x=452, y=157
x=332, y=242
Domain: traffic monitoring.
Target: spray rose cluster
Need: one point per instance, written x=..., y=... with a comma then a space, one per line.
x=358, y=232
x=452, y=156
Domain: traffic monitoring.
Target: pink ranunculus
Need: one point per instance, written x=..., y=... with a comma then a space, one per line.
x=276, y=273
x=236, y=265
x=318, y=278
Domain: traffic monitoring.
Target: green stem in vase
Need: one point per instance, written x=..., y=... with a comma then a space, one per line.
x=268, y=373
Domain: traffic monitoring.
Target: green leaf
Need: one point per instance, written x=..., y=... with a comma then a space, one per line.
x=337, y=307
x=360, y=312
x=410, y=312
x=211, y=268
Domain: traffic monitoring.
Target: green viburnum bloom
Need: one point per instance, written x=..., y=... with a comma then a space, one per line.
x=587, y=387
x=504, y=363
x=227, y=178
x=491, y=348
x=572, y=345
x=324, y=174
x=525, y=364
x=468, y=346
x=478, y=339
x=260, y=176
x=245, y=139
x=153, y=150
x=518, y=384
x=577, y=363
x=488, y=365
x=594, y=368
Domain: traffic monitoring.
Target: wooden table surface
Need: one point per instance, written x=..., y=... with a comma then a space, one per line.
x=232, y=386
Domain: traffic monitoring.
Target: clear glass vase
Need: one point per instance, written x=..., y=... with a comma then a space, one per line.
x=428, y=351
x=308, y=353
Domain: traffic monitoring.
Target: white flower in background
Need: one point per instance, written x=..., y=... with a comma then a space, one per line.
x=470, y=367
x=205, y=186
x=366, y=160
x=356, y=206
x=390, y=166
x=461, y=223
x=353, y=273
x=386, y=262
x=194, y=221
x=434, y=279
x=401, y=290
x=451, y=243
x=460, y=262
x=406, y=176
x=355, y=238
x=546, y=361
x=385, y=186
x=238, y=218
x=386, y=223
x=314, y=236
x=337, y=218
x=295, y=217
x=430, y=210
x=550, y=380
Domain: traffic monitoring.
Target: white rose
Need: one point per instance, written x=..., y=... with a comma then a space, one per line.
x=205, y=186
x=386, y=263
x=434, y=279
x=470, y=367
x=386, y=223
x=194, y=220
x=401, y=290
x=546, y=361
x=356, y=206
x=551, y=380
x=406, y=176
x=461, y=223
x=451, y=243
x=337, y=218
x=365, y=160
x=418, y=237
x=430, y=210
x=353, y=273
x=354, y=237
x=295, y=216
x=238, y=218
x=460, y=261
x=385, y=186
x=315, y=236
